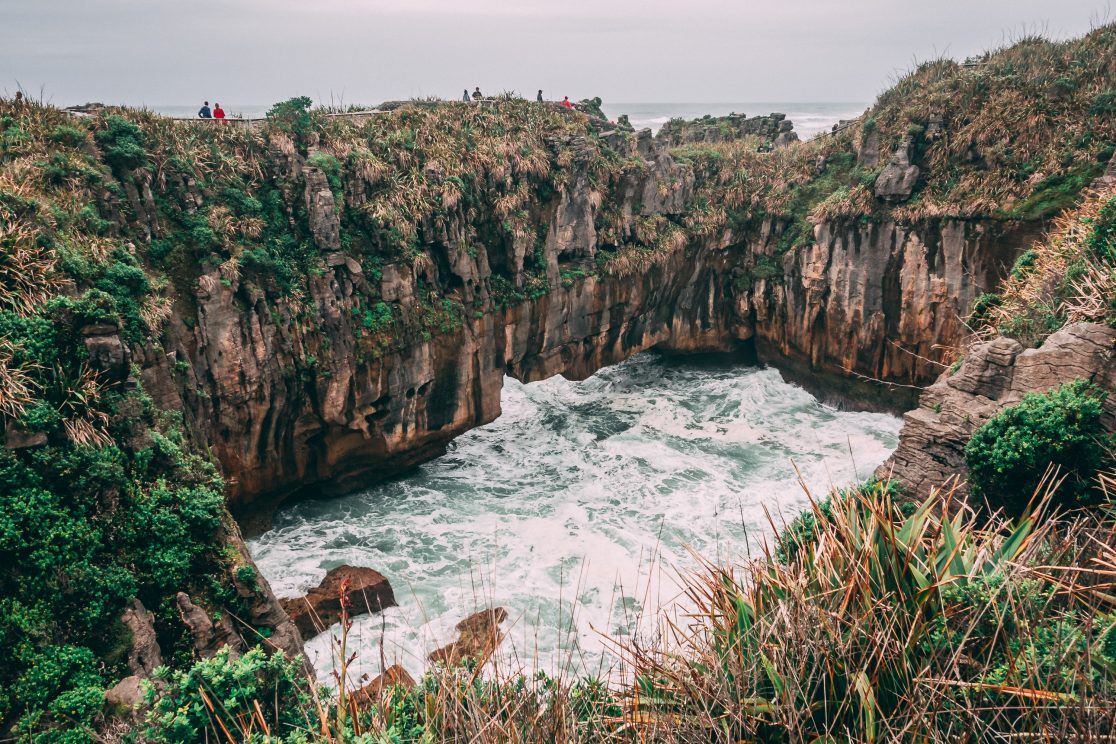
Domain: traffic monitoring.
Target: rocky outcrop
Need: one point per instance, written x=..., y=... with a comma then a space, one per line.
x=373, y=692
x=477, y=637
x=774, y=128
x=144, y=657
x=898, y=179
x=262, y=608
x=994, y=375
x=362, y=375
x=883, y=301
x=365, y=590
x=209, y=634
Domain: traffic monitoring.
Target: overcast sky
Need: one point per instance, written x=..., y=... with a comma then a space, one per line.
x=159, y=52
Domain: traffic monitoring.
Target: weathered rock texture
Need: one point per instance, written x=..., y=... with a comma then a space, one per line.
x=994, y=375
x=477, y=637
x=373, y=692
x=289, y=395
x=367, y=591
x=882, y=300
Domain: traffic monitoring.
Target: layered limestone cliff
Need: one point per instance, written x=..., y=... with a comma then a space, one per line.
x=290, y=394
x=881, y=300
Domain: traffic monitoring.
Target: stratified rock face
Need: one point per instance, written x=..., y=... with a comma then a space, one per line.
x=880, y=300
x=367, y=590
x=993, y=376
x=291, y=394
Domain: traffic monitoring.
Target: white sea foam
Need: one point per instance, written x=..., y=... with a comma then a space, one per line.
x=574, y=509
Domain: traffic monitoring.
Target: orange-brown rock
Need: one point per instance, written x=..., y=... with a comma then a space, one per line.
x=394, y=675
x=368, y=591
x=477, y=637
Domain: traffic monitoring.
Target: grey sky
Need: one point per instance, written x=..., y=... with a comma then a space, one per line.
x=159, y=52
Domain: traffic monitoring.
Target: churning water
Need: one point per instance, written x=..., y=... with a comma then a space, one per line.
x=577, y=508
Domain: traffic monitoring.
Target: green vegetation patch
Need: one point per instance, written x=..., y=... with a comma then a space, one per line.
x=1008, y=456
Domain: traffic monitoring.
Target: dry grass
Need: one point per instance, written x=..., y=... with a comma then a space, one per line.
x=927, y=624
x=1067, y=278
x=932, y=627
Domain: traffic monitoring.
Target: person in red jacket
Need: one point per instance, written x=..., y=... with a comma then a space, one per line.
x=218, y=112
x=566, y=103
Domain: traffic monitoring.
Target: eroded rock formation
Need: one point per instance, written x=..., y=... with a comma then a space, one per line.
x=367, y=591
x=994, y=375
x=477, y=637
x=291, y=394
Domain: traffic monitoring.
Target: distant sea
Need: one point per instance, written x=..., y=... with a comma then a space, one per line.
x=809, y=117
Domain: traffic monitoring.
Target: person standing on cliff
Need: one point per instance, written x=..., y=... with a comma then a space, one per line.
x=218, y=112
x=477, y=94
x=539, y=97
x=465, y=97
x=204, y=112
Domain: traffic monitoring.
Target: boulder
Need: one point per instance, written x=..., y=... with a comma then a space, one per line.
x=126, y=695
x=392, y=676
x=369, y=591
x=477, y=637
x=898, y=179
x=16, y=437
x=107, y=352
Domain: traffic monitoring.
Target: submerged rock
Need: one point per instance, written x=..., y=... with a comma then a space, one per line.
x=369, y=591
x=477, y=637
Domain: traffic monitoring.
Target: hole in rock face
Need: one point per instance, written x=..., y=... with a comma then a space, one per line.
x=424, y=387
x=578, y=502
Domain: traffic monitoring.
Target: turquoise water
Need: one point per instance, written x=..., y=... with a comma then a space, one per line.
x=577, y=509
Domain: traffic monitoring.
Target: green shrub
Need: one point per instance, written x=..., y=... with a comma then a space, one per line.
x=235, y=686
x=123, y=144
x=1104, y=103
x=292, y=114
x=68, y=136
x=1101, y=242
x=1009, y=454
x=64, y=689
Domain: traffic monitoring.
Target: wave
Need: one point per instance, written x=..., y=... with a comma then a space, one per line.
x=576, y=507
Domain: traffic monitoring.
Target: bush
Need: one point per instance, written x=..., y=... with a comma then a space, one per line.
x=124, y=145
x=233, y=688
x=292, y=114
x=1008, y=455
